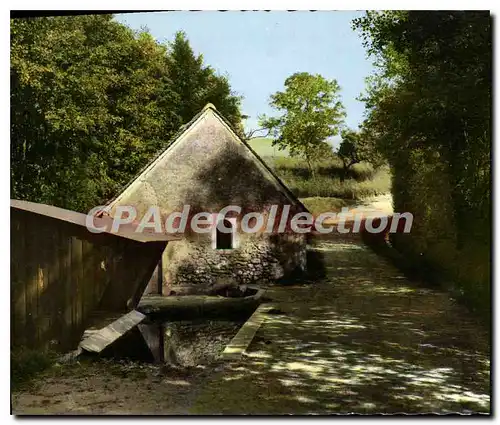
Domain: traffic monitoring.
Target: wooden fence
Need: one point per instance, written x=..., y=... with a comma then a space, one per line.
x=61, y=273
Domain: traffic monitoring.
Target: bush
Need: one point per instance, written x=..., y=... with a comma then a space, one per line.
x=26, y=363
x=455, y=257
x=429, y=116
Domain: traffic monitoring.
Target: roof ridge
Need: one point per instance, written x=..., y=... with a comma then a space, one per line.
x=209, y=105
x=184, y=128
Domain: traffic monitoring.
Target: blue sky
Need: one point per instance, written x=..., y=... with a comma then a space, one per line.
x=259, y=50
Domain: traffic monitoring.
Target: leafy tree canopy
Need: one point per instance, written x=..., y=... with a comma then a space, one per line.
x=429, y=114
x=92, y=101
x=310, y=113
x=433, y=93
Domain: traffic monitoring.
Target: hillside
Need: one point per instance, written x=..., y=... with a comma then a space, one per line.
x=263, y=147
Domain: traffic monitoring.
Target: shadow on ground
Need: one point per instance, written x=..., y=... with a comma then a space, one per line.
x=363, y=340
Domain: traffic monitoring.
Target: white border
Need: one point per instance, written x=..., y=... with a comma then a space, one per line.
x=159, y=5
x=198, y=5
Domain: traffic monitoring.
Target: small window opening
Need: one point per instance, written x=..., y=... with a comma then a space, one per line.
x=224, y=240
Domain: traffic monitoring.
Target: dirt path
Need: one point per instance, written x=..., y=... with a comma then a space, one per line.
x=380, y=204
x=99, y=388
x=364, y=340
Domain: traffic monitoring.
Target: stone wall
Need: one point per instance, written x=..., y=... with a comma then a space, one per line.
x=193, y=266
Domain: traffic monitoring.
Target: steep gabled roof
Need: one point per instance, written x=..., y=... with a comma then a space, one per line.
x=183, y=130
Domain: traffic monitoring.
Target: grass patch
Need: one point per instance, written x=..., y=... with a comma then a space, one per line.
x=331, y=166
x=264, y=148
x=26, y=364
x=317, y=205
x=362, y=180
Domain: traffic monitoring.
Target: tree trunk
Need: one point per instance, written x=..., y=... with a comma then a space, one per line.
x=345, y=170
x=309, y=165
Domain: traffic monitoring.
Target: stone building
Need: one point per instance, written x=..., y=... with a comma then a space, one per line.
x=207, y=167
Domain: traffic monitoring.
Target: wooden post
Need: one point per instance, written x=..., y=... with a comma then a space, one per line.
x=160, y=276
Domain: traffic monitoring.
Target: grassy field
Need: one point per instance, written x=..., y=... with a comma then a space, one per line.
x=317, y=205
x=324, y=191
x=264, y=148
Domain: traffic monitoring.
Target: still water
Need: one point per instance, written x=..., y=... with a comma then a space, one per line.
x=183, y=343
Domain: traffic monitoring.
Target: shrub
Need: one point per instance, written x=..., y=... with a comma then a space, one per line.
x=456, y=257
x=26, y=363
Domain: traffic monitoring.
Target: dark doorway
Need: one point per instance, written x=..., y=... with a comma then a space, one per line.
x=224, y=240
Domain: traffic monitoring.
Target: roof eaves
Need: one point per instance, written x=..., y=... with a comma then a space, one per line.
x=182, y=129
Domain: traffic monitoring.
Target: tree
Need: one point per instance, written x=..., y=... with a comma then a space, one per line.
x=356, y=147
x=433, y=94
x=197, y=84
x=254, y=133
x=89, y=106
x=311, y=113
x=428, y=110
x=350, y=150
x=92, y=101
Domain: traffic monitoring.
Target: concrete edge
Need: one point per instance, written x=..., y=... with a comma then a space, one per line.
x=197, y=305
x=240, y=342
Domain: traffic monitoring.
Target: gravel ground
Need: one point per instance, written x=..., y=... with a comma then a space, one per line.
x=107, y=386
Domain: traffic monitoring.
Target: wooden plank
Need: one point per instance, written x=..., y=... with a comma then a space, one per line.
x=88, y=273
x=58, y=285
x=18, y=279
x=92, y=274
x=76, y=267
x=153, y=335
x=81, y=284
x=54, y=276
x=67, y=290
x=160, y=276
x=132, y=263
x=44, y=300
x=154, y=253
x=238, y=345
x=99, y=272
x=31, y=242
x=98, y=341
x=58, y=215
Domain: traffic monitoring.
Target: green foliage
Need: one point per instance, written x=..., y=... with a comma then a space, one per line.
x=354, y=148
x=92, y=102
x=428, y=113
x=362, y=180
x=26, y=364
x=311, y=113
x=348, y=150
x=196, y=84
